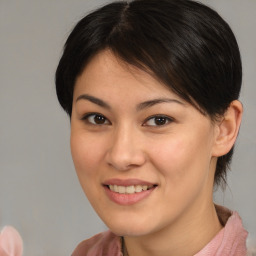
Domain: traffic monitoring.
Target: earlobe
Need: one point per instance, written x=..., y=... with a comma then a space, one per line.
x=228, y=128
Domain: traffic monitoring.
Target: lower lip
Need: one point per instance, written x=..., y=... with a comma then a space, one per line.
x=127, y=199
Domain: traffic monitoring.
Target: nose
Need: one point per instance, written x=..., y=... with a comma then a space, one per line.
x=125, y=151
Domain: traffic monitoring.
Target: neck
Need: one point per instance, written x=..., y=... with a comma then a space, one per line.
x=186, y=236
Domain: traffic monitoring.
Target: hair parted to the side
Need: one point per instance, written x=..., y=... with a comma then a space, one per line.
x=184, y=44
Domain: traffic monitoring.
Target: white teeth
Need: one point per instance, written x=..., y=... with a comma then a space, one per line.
x=144, y=187
x=121, y=189
x=138, y=188
x=129, y=189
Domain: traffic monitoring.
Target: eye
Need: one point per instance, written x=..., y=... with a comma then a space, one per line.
x=96, y=119
x=158, y=121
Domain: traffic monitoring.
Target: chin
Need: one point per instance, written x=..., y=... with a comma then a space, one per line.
x=129, y=228
x=129, y=231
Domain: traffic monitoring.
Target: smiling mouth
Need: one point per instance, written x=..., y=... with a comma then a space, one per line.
x=128, y=192
x=130, y=189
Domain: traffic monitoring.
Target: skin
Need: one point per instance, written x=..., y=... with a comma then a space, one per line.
x=179, y=157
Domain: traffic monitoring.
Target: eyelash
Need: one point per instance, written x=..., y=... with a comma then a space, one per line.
x=164, y=118
x=91, y=115
x=161, y=118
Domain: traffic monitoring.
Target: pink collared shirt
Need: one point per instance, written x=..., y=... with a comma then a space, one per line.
x=230, y=241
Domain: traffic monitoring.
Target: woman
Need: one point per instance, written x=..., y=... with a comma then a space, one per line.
x=152, y=90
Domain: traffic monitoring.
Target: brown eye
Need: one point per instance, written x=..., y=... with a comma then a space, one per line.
x=158, y=121
x=96, y=119
x=99, y=119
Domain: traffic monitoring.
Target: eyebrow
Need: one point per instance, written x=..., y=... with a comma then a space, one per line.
x=153, y=102
x=94, y=100
x=139, y=107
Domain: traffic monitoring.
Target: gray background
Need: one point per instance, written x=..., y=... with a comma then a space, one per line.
x=39, y=191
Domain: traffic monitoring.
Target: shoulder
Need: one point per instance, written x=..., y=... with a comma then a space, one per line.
x=102, y=244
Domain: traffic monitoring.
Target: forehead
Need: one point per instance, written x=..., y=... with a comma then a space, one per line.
x=106, y=72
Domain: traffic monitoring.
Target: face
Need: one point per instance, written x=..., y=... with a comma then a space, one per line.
x=143, y=155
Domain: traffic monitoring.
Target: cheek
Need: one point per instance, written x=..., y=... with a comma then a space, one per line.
x=170, y=154
x=181, y=159
x=183, y=166
x=87, y=157
x=86, y=154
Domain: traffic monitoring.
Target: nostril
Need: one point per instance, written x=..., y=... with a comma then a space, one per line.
x=124, y=161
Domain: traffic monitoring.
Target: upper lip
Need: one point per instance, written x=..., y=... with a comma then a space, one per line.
x=127, y=182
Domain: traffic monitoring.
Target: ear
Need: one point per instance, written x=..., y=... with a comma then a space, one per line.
x=227, y=129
